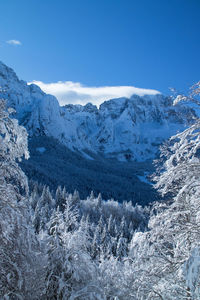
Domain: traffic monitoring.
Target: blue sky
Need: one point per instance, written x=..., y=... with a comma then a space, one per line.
x=152, y=44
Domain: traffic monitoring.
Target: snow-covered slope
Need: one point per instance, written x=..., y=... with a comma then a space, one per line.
x=126, y=129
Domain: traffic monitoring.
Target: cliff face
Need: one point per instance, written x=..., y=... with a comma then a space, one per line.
x=126, y=129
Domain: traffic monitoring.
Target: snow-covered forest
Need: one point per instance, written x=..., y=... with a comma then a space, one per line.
x=54, y=245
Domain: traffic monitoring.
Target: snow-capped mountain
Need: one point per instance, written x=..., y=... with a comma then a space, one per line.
x=126, y=129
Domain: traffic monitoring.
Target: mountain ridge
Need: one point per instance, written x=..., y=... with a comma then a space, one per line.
x=123, y=128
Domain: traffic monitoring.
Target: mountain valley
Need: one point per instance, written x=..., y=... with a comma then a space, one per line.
x=109, y=149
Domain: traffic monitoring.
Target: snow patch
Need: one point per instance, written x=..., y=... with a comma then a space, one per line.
x=144, y=178
x=41, y=149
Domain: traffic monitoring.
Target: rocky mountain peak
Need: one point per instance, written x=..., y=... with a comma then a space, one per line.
x=122, y=128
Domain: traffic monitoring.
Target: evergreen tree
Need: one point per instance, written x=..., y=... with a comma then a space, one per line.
x=22, y=263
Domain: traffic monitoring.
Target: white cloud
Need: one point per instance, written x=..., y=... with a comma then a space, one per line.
x=14, y=42
x=77, y=93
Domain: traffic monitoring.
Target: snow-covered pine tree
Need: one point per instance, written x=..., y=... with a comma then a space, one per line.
x=163, y=258
x=71, y=272
x=22, y=265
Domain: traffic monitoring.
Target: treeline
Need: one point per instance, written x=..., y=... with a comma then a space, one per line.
x=58, y=165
